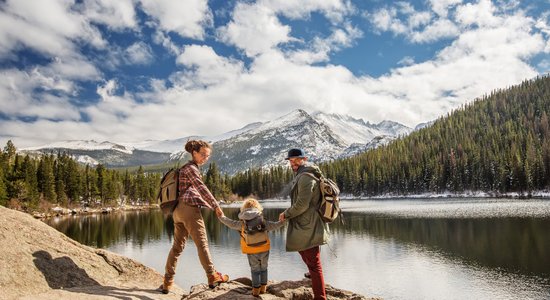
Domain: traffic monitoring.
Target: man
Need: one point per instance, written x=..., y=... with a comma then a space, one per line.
x=306, y=231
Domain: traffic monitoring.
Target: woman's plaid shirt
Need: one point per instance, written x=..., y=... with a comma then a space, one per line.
x=192, y=189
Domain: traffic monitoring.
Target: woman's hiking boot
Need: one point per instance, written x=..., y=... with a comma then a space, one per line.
x=256, y=291
x=263, y=289
x=216, y=278
x=166, y=285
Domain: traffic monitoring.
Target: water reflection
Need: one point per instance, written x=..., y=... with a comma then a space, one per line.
x=105, y=230
x=516, y=244
x=401, y=249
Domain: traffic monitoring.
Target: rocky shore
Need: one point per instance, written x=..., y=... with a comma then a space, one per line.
x=61, y=211
x=38, y=262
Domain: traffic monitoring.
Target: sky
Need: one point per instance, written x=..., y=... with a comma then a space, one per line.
x=135, y=70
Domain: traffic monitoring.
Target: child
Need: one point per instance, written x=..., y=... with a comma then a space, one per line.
x=255, y=244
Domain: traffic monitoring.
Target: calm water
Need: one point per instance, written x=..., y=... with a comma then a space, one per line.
x=402, y=249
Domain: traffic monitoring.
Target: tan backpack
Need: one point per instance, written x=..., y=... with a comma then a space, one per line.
x=169, y=192
x=329, y=206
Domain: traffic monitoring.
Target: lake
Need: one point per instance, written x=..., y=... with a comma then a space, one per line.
x=394, y=249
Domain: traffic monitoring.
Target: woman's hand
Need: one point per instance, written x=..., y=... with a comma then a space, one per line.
x=219, y=212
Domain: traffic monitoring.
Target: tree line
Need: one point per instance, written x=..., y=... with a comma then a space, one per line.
x=499, y=143
x=30, y=182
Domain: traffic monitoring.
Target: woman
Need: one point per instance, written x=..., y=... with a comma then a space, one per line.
x=188, y=221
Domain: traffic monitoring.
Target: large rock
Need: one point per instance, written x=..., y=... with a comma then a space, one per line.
x=38, y=262
x=241, y=289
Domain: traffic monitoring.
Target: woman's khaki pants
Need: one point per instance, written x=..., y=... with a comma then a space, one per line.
x=188, y=222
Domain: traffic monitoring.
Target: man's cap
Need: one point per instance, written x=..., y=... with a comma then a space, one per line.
x=295, y=152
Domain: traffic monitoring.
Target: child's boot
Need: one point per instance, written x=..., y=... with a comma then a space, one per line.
x=263, y=288
x=256, y=291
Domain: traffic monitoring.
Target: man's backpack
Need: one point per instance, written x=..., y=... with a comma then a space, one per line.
x=329, y=206
x=169, y=192
x=254, y=231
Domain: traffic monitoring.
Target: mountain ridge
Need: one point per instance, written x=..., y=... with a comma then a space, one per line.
x=258, y=144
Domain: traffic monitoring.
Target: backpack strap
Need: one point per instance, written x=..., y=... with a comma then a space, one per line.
x=300, y=175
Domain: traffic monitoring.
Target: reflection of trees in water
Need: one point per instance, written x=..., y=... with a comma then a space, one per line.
x=103, y=230
x=516, y=244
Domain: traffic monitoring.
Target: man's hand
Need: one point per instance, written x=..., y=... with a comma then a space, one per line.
x=219, y=212
x=282, y=216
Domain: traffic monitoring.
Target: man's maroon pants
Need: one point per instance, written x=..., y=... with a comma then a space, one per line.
x=312, y=258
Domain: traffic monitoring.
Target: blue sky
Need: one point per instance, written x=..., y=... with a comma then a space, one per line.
x=133, y=70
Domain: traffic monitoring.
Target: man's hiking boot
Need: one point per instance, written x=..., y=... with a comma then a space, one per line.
x=256, y=291
x=216, y=278
x=263, y=289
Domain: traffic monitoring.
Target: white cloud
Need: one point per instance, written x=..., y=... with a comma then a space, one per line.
x=188, y=18
x=439, y=29
x=162, y=39
x=18, y=96
x=334, y=10
x=205, y=67
x=254, y=29
x=139, y=53
x=386, y=20
x=406, y=61
x=117, y=15
x=441, y=7
x=481, y=14
x=53, y=33
x=320, y=48
x=417, y=26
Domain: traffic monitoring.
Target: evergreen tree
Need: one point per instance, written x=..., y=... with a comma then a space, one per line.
x=3, y=189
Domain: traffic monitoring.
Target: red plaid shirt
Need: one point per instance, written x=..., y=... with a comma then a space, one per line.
x=191, y=188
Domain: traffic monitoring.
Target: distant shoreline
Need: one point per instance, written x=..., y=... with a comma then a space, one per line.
x=62, y=211
x=470, y=194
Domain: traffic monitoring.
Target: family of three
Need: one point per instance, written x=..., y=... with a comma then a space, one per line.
x=305, y=234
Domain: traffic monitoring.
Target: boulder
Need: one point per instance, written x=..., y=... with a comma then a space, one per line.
x=39, y=262
x=241, y=289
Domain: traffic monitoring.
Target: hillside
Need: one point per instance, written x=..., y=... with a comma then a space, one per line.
x=499, y=143
x=38, y=262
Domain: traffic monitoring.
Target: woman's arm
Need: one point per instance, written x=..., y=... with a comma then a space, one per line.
x=195, y=177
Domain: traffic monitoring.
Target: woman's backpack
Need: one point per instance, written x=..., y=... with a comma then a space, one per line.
x=254, y=231
x=169, y=192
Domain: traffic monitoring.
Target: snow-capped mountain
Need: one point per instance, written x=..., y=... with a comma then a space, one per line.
x=353, y=130
x=107, y=153
x=85, y=145
x=267, y=144
x=261, y=144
